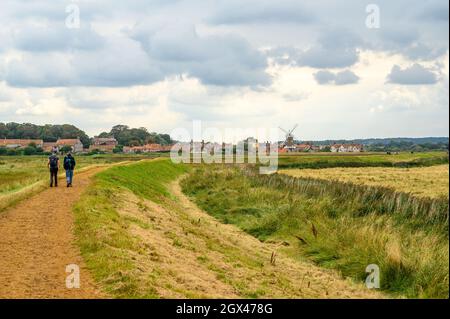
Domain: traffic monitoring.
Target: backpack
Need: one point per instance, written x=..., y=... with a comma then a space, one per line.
x=68, y=163
x=53, y=161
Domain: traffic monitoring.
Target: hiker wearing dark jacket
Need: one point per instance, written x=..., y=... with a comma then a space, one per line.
x=53, y=165
x=69, y=166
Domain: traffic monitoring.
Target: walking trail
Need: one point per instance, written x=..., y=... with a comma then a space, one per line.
x=37, y=243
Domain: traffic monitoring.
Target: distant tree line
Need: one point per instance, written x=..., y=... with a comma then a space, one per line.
x=127, y=136
x=124, y=135
x=48, y=133
x=400, y=144
x=394, y=146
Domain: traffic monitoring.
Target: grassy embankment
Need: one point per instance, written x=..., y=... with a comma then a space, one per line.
x=104, y=237
x=141, y=238
x=337, y=225
x=22, y=176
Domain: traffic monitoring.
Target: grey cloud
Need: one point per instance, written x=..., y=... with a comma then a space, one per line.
x=346, y=77
x=295, y=97
x=435, y=11
x=122, y=63
x=399, y=36
x=413, y=75
x=324, y=77
x=334, y=49
x=320, y=57
x=340, y=78
x=408, y=42
x=422, y=51
x=56, y=37
x=55, y=10
x=224, y=60
x=226, y=51
x=239, y=12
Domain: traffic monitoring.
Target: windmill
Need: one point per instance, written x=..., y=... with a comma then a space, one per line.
x=289, y=144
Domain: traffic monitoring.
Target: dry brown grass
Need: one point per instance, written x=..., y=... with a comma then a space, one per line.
x=430, y=181
x=192, y=255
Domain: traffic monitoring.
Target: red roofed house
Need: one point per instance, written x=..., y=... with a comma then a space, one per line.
x=104, y=144
x=20, y=143
x=75, y=144
x=50, y=147
x=303, y=147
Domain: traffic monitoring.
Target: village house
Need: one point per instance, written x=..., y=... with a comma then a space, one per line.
x=303, y=147
x=346, y=148
x=75, y=144
x=103, y=144
x=20, y=143
x=149, y=148
x=50, y=147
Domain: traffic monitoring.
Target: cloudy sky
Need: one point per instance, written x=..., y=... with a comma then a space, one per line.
x=334, y=67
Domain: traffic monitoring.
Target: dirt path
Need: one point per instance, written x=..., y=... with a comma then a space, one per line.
x=37, y=243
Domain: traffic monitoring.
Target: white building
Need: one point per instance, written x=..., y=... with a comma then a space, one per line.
x=346, y=148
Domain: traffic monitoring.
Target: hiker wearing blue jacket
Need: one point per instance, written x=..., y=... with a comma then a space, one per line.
x=69, y=166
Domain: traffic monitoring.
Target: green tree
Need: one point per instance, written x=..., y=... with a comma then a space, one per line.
x=118, y=149
x=29, y=150
x=65, y=149
x=48, y=133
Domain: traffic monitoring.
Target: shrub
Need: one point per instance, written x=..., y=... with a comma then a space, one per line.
x=29, y=150
x=65, y=149
x=118, y=149
x=12, y=152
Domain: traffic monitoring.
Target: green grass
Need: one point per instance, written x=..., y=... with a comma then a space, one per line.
x=22, y=176
x=135, y=248
x=19, y=171
x=328, y=160
x=336, y=225
x=148, y=181
x=103, y=235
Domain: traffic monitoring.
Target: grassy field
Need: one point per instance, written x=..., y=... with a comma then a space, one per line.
x=329, y=160
x=141, y=238
x=432, y=181
x=336, y=225
x=21, y=176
